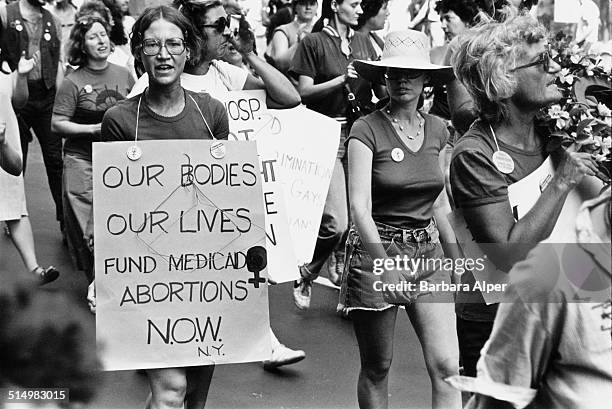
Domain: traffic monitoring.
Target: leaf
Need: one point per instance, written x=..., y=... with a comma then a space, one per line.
x=585, y=123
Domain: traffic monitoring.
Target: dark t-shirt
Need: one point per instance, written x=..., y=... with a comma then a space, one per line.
x=475, y=181
x=403, y=192
x=119, y=123
x=320, y=57
x=84, y=97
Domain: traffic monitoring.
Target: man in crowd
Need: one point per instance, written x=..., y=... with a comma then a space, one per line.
x=31, y=29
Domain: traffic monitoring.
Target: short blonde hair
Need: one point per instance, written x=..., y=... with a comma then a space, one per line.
x=484, y=60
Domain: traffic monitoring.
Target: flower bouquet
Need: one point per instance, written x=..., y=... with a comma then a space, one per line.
x=582, y=117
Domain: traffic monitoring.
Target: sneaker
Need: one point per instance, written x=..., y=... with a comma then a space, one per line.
x=302, y=290
x=46, y=275
x=281, y=355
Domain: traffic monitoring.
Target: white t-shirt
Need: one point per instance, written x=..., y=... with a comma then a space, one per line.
x=220, y=78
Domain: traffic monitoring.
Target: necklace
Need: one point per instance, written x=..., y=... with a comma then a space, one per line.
x=402, y=128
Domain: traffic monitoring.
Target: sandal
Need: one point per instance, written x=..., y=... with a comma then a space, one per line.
x=46, y=275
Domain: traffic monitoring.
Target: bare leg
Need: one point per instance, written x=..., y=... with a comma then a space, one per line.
x=374, y=331
x=168, y=388
x=434, y=324
x=23, y=239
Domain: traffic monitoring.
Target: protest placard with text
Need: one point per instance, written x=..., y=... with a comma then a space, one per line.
x=179, y=254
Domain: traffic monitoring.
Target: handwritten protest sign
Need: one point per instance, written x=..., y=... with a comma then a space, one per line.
x=305, y=152
x=297, y=149
x=179, y=255
x=249, y=119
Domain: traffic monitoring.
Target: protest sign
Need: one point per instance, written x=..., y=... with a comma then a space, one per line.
x=249, y=119
x=304, y=149
x=179, y=254
x=297, y=149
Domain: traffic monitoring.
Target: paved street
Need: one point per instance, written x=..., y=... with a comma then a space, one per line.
x=327, y=378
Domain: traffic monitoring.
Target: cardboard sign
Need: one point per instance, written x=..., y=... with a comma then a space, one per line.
x=305, y=150
x=249, y=119
x=297, y=149
x=179, y=254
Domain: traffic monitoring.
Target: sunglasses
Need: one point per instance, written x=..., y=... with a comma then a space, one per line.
x=404, y=74
x=220, y=25
x=174, y=46
x=543, y=59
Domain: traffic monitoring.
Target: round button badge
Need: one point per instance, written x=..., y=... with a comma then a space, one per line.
x=47, y=37
x=217, y=150
x=134, y=153
x=397, y=155
x=88, y=88
x=503, y=162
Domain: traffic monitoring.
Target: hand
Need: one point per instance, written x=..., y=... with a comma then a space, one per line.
x=351, y=72
x=91, y=297
x=96, y=129
x=26, y=65
x=573, y=167
x=244, y=39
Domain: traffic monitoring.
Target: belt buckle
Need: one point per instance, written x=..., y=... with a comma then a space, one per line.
x=404, y=236
x=420, y=236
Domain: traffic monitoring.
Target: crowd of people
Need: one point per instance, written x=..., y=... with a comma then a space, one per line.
x=423, y=132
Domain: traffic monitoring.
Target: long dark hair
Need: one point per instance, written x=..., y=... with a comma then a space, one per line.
x=327, y=15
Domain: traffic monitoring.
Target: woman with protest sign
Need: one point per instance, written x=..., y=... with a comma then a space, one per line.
x=13, y=209
x=509, y=72
x=395, y=176
x=328, y=84
x=205, y=72
x=80, y=103
x=162, y=41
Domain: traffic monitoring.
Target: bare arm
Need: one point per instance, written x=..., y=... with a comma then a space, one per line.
x=20, y=80
x=309, y=91
x=360, y=185
x=62, y=124
x=10, y=160
x=494, y=223
x=281, y=93
x=280, y=51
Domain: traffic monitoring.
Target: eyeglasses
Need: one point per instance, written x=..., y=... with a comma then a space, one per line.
x=152, y=46
x=543, y=59
x=220, y=25
x=407, y=74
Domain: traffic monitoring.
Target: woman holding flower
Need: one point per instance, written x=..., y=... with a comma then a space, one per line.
x=508, y=71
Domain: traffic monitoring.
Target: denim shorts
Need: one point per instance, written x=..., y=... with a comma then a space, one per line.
x=361, y=287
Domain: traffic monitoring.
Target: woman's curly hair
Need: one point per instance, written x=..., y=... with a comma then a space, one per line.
x=486, y=55
x=76, y=45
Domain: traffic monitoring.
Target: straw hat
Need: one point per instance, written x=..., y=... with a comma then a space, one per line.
x=407, y=49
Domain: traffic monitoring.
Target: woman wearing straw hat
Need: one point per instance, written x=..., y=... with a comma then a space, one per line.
x=394, y=179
